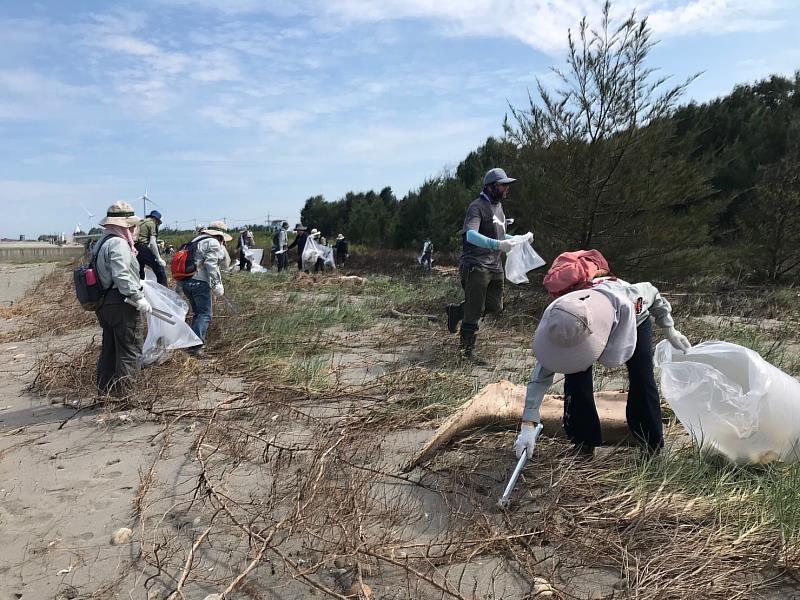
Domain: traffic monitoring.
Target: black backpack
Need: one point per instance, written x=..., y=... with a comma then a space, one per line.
x=89, y=291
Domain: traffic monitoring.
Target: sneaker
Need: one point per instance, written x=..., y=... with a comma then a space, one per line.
x=452, y=317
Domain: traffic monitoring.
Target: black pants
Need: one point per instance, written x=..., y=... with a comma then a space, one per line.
x=341, y=257
x=643, y=409
x=118, y=365
x=283, y=261
x=244, y=262
x=146, y=258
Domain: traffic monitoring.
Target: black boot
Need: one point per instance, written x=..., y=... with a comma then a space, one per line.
x=469, y=334
x=455, y=312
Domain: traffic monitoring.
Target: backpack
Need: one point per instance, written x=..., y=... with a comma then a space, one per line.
x=88, y=289
x=183, y=265
x=573, y=271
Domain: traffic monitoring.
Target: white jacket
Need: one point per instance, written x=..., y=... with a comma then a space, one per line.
x=207, y=257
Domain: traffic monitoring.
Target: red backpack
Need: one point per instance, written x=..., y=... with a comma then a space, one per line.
x=183, y=265
x=572, y=271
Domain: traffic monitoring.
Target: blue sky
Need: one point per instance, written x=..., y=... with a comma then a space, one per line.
x=244, y=108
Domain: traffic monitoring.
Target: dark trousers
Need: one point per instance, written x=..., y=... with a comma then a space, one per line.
x=123, y=337
x=483, y=292
x=283, y=261
x=244, y=262
x=643, y=409
x=341, y=257
x=146, y=258
x=319, y=265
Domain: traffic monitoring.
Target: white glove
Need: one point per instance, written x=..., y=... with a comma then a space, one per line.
x=529, y=237
x=161, y=261
x=143, y=306
x=504, y=245
x=526, y=440
x=218, y=290
x=677, y=339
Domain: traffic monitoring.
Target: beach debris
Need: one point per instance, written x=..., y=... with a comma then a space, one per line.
x=65, y=571
x=213, y=597
x=501, y=403
x=542, y=588
x=121, y=536
x=359, y=590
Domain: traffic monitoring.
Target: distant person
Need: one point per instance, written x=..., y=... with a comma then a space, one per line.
x=481, y=268
x=427, y=254
x=225, y=265
x=124, y=303
x=300, y=242
x=282, y=243
x=341, y=250
x=206, y=281
x=319, y=264
x=147, y=247
x=243, y=245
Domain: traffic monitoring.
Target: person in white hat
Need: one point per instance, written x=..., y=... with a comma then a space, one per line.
x=124, y=303
x=300, y=242
x=244, y=244
x=481, y=266
x=206, y=281
x=610, y=324
x=341, y=250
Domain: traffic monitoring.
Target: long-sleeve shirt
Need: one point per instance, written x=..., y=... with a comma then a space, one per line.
x=208, y=256
x=117, y=267
x=633, y=304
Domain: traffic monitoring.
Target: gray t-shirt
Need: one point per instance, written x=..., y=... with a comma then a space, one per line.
x=488, y=219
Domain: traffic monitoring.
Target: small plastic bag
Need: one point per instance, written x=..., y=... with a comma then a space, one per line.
x=732, y=402
x=521, y=259
x=161, y=336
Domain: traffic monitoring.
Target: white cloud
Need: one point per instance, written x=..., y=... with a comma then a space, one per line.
x=30, y=95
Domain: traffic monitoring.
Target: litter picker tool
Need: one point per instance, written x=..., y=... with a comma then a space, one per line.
x=231, y=306
x=512, y=482
x=158, y=314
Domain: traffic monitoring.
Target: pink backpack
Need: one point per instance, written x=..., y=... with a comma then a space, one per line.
x=572, y=271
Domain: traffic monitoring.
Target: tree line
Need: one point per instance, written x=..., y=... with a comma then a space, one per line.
x=609, y=158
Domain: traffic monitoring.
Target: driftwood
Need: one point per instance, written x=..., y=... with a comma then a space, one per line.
x=501, y=403
x=401, y=315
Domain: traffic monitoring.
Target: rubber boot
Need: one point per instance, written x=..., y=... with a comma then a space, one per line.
x=455, y=312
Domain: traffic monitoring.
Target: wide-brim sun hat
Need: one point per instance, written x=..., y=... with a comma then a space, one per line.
x=497, y=175
x=573, y=331
x=121, y=214
x=299, y=227
x=217, y=233
x=314, y=233
x=340, y=237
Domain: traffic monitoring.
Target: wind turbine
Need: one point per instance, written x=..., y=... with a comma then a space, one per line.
x=144, y=200
x=91, y=216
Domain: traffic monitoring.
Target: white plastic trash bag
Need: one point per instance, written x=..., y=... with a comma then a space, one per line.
x=311, y=252
x=162, y=336
x=327, y=257
x=521, y=259
x=732, y=401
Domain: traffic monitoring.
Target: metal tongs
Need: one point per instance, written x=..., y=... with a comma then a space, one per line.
x=504, y=499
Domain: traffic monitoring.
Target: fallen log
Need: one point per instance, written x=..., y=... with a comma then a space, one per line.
x=501, y=403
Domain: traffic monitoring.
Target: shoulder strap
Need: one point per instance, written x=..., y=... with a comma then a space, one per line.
x=96, y=252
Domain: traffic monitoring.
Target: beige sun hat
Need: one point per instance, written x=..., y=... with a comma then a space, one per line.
x=120, y=213
x=216, y=228
x=314, y=233
x=573, y=331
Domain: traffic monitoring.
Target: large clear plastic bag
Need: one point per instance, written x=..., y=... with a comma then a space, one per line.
x=161, y=336
x=732, y=402
x=314, y=250
x=521, y=259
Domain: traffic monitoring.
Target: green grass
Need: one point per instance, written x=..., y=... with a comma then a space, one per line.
x=749, y=504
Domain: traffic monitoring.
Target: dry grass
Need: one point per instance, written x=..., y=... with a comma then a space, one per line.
x=297, y=482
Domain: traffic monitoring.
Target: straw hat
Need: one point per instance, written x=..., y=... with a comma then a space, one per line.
x=340, y=237
x=120, y=213
x=573, y=331
x=314, y=233
x=217, y=233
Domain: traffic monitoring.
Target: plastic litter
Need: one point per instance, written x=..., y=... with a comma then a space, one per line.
x=161, y=335
x=314, y=250
x=521, y=259
x=732, y=402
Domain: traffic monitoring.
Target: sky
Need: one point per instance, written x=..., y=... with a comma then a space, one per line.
x=243, y=109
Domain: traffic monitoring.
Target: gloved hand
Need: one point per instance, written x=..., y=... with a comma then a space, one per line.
x=504, y=245
x=526, y=440
x=677, y=339
x=143, y=306
x=218, y=290
x=529, y=237
x=161, y=261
